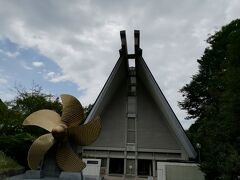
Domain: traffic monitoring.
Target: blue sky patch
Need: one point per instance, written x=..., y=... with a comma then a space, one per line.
x=22, y=66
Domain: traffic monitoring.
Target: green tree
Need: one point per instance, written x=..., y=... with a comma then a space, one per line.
x=15, y=139
x=213, y=99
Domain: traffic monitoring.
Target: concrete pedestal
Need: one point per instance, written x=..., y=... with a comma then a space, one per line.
x=33, y=174
x=71, y=176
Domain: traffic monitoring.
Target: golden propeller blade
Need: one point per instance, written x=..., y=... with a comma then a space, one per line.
x=38, y=149
x=68, y=160
x=72, y=113
x=87, y=133
x=46, y=119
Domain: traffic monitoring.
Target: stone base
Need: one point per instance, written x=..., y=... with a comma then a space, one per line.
x=33, y=174
x=150, y=178
x=88, y=177
x=36, y=174
x=71, y=176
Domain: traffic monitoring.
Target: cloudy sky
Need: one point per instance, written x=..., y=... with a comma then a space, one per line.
x=72, y=46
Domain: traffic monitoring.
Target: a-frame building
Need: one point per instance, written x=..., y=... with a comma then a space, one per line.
x=139, y=127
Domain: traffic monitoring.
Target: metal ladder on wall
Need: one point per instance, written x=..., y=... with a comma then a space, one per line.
x=131, y=110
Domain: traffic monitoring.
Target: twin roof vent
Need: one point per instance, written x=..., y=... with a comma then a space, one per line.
x=137, y=50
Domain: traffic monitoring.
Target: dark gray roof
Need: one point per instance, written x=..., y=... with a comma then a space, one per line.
x=119, y=74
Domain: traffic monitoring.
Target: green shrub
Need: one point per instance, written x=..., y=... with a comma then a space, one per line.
x=16, y=146
x=7, y=163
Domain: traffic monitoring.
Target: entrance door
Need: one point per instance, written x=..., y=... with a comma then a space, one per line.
x=145, y=167
x=116, y=166
x=130, y=168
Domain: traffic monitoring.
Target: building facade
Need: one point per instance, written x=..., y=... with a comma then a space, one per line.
x=139, y=128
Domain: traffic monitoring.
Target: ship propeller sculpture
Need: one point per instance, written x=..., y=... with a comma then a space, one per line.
x=62, y=130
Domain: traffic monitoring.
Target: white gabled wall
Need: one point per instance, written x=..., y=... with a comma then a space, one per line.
x=113, y=120
x=153, y=88
x=153, y=131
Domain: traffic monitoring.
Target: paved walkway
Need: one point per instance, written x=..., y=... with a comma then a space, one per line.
x=106, y=177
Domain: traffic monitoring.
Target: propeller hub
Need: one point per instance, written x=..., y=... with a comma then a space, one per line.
x=59, y=132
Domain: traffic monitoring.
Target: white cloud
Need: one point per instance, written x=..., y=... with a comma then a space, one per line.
x=37, y=64
x=10, y=54
x=55, y=77
x=4, y=84
x=25, y=65
x=82, y=37
x=3, y=81
x=232, y=10
x=6, y=95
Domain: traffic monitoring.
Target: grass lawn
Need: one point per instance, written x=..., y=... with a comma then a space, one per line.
x=6, y=163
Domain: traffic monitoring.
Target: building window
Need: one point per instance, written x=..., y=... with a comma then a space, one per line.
x=132, y=71
x=133, y=89
x=131, y=123
x=132, y=80
x=145, y=167
x=116, y=166
x=132, y=104
x=130, y=136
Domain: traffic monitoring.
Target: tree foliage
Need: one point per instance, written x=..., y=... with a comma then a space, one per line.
x=16, y=139
x=213, y=99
